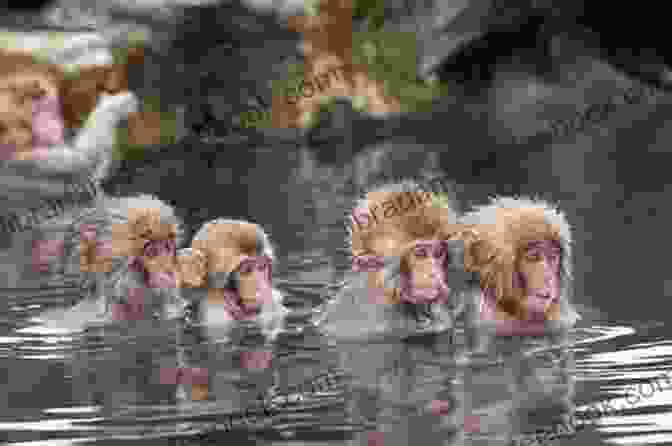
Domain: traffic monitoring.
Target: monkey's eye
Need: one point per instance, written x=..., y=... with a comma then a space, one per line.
x=421, y=251
x=534, y=257
x=246, y=267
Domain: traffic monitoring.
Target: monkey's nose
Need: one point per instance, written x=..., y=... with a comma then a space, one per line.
x=543, y=295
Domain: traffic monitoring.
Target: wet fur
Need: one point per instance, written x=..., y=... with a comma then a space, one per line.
x=247, y=238
x=89, y=154
x=111, y=281
x=78, y=95
x=504, y=226
x=426, y=221
x=79, y=98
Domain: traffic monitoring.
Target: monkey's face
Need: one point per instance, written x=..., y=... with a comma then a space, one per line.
x=252, y=280
x=48, y=127
x=539, y=276
x=159, y=256
x=423, y=276
x=160, y=263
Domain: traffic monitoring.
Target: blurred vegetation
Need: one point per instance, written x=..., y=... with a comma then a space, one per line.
x=371, y=10
x=440, y=199
x=168, y=127
x=391, y=58
x=168, y=119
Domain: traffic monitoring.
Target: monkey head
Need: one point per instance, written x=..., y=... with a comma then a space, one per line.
x=522, y=251
x=24, y=86
x=233, y=259
x=148, y=237
x=402, y=222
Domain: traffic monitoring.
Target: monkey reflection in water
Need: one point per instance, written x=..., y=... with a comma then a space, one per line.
x=529, y=397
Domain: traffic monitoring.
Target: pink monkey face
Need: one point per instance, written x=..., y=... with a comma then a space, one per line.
x=423, y=277
x=48, y=127
x=539, y=276
x=254, y=281
x=159, y=261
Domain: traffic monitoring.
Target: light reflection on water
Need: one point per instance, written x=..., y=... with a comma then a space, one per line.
x=98, y=385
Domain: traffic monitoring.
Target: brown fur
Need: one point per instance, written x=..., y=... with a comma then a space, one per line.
x=143, y=224
x=128, y=240
x=21, y=73
x=219, y=247
x=16, y=120
x=395, y=235
x=226, y=244
x=92, y=260
x=391, y=235
x=494, y=252
x=193, y=268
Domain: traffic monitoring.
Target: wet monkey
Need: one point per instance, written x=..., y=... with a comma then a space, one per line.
x=126, y=255
x=227, y=272
x=408, y=261
x=521, y=250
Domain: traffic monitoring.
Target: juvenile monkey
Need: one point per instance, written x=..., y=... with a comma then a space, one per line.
x=521, y=249
x=228, y=273
x=39, y=102
x=126, y=254
x=413, y=282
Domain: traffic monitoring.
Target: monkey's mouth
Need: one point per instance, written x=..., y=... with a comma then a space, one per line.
x=242, y=299
x=537, y=305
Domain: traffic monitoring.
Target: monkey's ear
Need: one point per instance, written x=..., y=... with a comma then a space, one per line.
x=477, y=251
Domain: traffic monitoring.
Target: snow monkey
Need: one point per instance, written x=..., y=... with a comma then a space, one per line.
x=404, y=241
x=126, y=252
x=521, y=250
x=228, y=271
